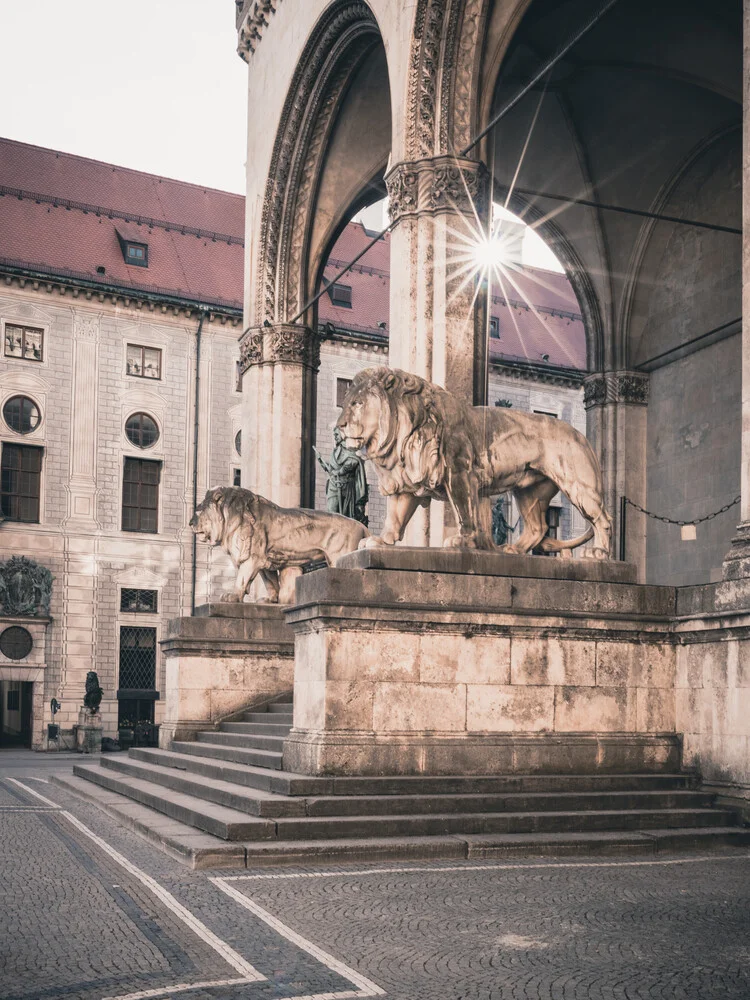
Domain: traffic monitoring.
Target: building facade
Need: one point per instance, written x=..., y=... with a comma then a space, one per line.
x=120, y=401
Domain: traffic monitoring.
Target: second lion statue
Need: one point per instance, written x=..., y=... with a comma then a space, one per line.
x=426, y=442
x=261, y=537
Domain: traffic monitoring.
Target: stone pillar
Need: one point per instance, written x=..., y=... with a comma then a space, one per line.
x=279, y=364
x=437, y=326
x=616, y=425
x=734, y=591
x=82, y=481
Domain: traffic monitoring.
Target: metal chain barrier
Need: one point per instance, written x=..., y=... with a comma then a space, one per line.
x=671, y=520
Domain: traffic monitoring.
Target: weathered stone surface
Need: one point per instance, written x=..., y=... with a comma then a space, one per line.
x=553, y=661
x=510, y=709
x=601, y=709
x=421, y=707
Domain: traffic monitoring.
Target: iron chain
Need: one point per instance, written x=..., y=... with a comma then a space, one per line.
x=670, y=520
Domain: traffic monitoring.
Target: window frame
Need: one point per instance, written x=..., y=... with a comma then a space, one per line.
x=494, y=326
x=135, y=261
x=338, y=286
x=122, y=693
x=143, y=348
x=139, y=610
x=158, y=464
x=336, y=380
x=24, y=328
x=154, y=421
x=39, y=450
x=37, y=407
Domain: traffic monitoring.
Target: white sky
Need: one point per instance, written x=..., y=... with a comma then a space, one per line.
x=155, y=85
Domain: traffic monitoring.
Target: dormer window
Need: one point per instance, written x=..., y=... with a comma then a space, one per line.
x=341, y=295
x=136, y=253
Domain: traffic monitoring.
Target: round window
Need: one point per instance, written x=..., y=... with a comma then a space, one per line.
x=141, y=429
x=21, y=414
x=16, y=643
x=238, y=442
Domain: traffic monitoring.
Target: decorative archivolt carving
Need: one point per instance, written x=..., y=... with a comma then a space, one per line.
x=252, y=19
x=283, y=342
x=615, y=387
x=443, y=75
x=439, y=184
x=347, y=29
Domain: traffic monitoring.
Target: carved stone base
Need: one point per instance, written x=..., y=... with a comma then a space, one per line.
x=733, y=593
x=88, y=732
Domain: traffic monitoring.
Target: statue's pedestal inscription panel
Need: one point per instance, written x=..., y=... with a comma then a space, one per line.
x=429, y=661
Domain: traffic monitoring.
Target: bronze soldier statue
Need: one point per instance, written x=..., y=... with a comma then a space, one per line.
x=346, y=489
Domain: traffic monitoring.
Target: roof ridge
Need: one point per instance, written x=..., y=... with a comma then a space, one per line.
x=116, y=166
x=116, y=213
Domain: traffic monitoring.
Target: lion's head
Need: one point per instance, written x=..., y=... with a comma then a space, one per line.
x=223, y=510
x=391, y=415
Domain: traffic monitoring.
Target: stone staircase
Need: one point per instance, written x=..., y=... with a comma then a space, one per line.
x=224, y=800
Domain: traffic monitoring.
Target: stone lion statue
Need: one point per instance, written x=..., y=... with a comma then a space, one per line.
x=261, y=537
x=426, y=442
x=94, y=693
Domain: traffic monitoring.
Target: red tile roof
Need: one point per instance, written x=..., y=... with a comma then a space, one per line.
x=537, y=310
x=59, y=213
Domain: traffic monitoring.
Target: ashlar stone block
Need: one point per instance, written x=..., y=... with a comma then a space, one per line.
x=509, y=708
x=595, y=709
x=549, y=660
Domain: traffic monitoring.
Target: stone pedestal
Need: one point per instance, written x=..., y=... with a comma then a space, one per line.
x=224, y=659
x=88, y=732
x=428, y=661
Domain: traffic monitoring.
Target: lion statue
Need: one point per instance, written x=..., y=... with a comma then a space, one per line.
x=426, y=442
x=261, y=537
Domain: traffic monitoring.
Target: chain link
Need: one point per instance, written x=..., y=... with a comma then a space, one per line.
x=670, y=520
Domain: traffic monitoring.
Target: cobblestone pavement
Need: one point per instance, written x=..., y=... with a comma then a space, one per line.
x=89, y=911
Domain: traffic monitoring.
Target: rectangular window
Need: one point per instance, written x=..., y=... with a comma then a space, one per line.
x=341, y=295
x=139, y=601
x=136, y=253
x=237, y=477
x=25, y=342
x=495, y=328
x=140, y=495
x=20, y=483
x=137, y=659
x=238, y=376
x=14, y=701
x=143, y=362
x=342, y=387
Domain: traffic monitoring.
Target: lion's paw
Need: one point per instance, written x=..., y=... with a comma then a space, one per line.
x=230, y=598
x=373, y=542
x=595, y=554
x=268, y=600
x=461, y=542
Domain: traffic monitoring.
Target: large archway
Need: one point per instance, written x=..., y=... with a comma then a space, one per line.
x=636, y=128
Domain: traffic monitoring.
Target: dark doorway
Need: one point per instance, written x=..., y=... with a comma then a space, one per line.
x=15, y=713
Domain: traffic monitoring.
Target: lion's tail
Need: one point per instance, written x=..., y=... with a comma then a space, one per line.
x=556, y=545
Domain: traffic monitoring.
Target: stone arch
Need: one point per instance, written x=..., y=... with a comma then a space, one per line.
x=342, y=39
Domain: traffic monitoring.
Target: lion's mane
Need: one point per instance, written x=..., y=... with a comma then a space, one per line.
x=409, y=440
x=237, y=507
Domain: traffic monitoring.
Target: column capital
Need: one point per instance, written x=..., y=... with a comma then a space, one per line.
x=615, y=387
x=287, y=343
x=437, y=184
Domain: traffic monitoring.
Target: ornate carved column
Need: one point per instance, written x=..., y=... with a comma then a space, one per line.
x=616, y=405
x=279, y=363
x=83, y=445
x=734, y=592
x=437, y=319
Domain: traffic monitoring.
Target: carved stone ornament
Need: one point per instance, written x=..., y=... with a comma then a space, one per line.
x=615, y=387
x=25, y=587
x=252, y=19
x=440, y=184
x=282, y=342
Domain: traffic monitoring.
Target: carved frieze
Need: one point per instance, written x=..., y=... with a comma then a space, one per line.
x=252, y=20
x=615, y=387
x=282, y=342
x=438, y=184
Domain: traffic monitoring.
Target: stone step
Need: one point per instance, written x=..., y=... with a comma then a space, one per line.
x=233, y=739
x=285, y=707
x=260, y=740
x=255, y=802
x=203, y=851
x=226, y=784
x=509, y=846
x=275, y=728
x=280, y=717
x=193, y=756
x=222, y=822
x=228, y=751
x=523, y=822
